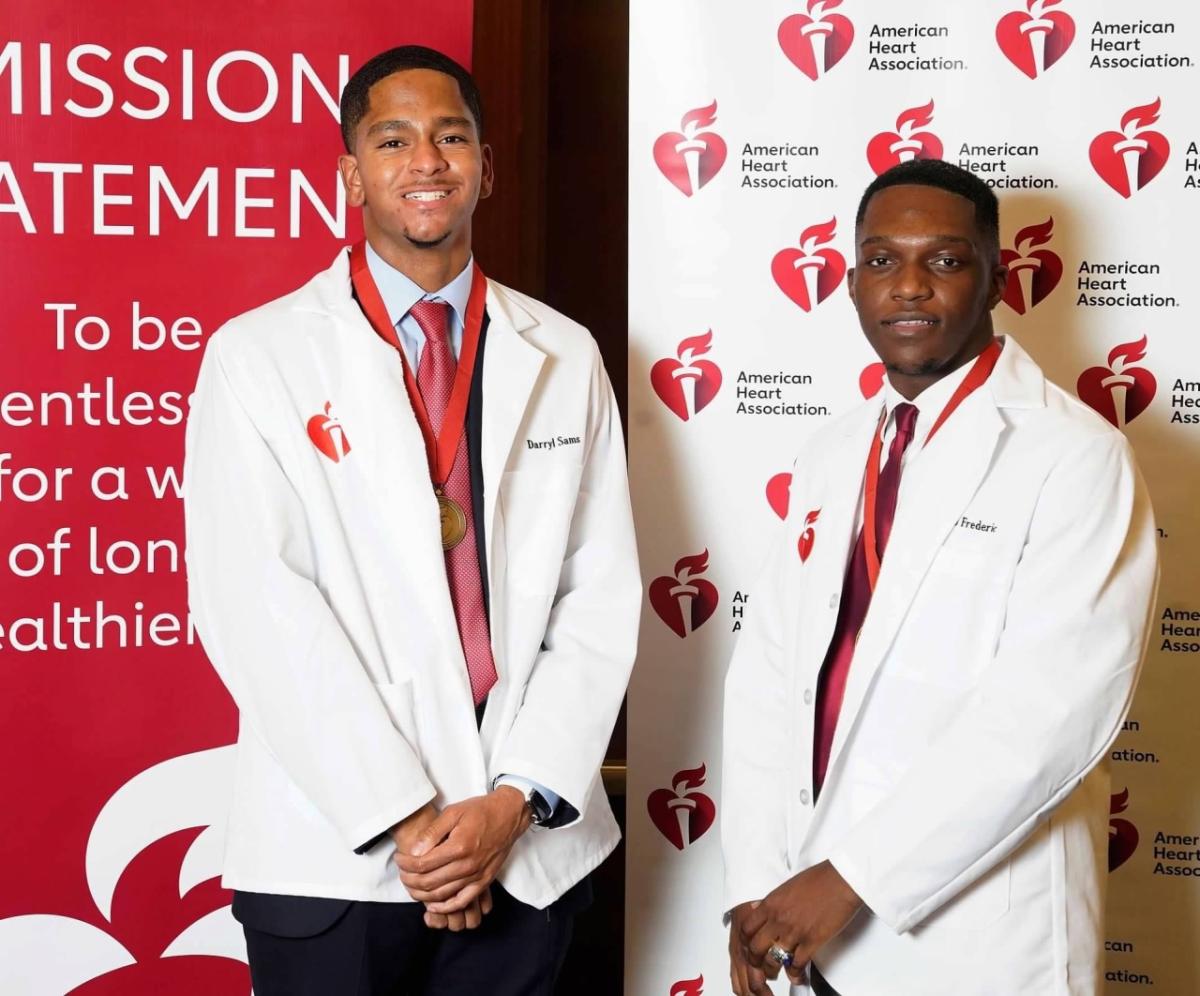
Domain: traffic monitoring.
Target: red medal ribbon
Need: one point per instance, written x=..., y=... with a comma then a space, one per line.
x=976, y=377
x=442, y=448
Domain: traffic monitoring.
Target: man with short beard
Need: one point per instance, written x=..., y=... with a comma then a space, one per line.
x=948, y=635
x=411, y=559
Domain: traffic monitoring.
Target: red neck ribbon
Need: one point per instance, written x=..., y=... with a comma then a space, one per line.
x=440, y=450
x=976, y=377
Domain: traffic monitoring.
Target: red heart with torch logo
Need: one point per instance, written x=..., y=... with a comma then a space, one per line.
x=684, y=601
x=682, y=814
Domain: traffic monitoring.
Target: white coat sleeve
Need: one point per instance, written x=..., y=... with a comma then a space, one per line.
x=1046, y=710
x=757, y=759
x=271, y=635
x=578, y=681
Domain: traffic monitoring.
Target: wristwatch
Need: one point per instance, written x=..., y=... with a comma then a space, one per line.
x=539, y=808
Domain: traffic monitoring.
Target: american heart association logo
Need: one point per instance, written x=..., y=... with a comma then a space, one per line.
x=327, y=434
x=1119, y=392
x=870, y=381
x=809, y=274
x=808, y=535
x=691, y=157
x=779, y=493
x=1130, y=158
x=1035, y=38
x=1032, y=273
x=684, y=601
x=688, y=987
x=907, y=142
x=1122, y=835
x=816, y=42
x=682, y=814
x=687, y=385
x=152, y=866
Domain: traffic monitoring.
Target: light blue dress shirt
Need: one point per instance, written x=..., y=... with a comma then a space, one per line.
x=399, y=294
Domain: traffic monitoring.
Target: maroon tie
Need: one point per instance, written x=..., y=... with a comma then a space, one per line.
x=856, y=599
x=435, y=380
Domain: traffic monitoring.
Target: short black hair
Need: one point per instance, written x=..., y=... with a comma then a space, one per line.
x=356, y=96
x=944, y=176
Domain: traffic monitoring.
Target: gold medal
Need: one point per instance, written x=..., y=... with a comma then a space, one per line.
x=454, y=521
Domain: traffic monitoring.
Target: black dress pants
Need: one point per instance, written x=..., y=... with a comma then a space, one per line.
x=819, y=986
x=385, y=949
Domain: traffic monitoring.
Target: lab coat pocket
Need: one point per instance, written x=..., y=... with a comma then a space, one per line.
x=949, y=636
x=400, y=703
x=973, y=563
x=537, y=505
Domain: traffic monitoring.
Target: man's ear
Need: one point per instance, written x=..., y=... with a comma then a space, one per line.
x=487, y=178
x=351, y=180
x=998, y=283
x=850, y=285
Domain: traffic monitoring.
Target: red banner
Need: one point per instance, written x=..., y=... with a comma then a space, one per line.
x=164, y=168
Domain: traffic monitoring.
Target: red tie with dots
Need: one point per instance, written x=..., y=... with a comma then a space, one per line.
x=435, y=380
x=856, y=598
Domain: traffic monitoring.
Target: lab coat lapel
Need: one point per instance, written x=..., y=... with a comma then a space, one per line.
x=511, y=366
x=835, y=535
x=393, y=434
x=936, y=491
x=395, y=431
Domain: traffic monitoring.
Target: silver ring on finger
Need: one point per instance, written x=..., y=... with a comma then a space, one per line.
x=780, y=955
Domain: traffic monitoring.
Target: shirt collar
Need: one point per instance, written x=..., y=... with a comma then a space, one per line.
x=399, y=293
x=929, y=403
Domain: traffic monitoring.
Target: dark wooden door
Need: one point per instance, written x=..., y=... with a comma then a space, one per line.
x=555, y=83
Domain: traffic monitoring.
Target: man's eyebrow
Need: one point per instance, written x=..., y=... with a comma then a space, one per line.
x=395, y=124
x=400, y=124
x=876, y=239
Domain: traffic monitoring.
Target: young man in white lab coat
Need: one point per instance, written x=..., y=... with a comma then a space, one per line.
x=948, y=636
x=411, y=559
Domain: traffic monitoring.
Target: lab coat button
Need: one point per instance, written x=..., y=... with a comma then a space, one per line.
x=804, y=797
x=808, y=696
x=833, y=600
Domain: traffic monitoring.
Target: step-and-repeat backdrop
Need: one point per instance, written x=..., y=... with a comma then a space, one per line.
x=754, y=128
x=163, y=167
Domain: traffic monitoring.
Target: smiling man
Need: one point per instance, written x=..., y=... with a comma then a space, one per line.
x=916, y=717
x=426, y=617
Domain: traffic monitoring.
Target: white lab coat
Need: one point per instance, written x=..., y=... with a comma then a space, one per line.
x=967, y=795
x=319, y=591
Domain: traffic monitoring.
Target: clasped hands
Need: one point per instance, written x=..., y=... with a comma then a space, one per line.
x=801, y=915
x=449, y=859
